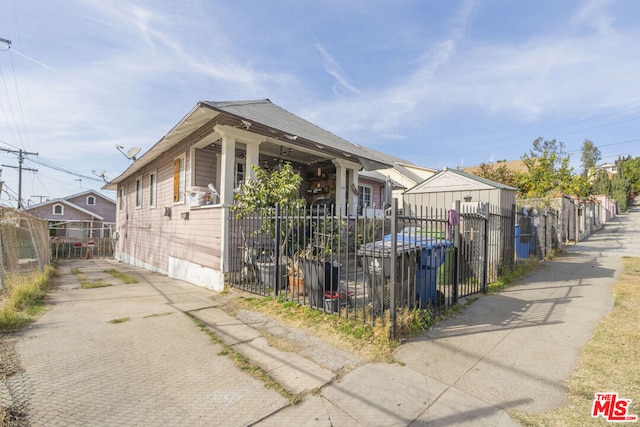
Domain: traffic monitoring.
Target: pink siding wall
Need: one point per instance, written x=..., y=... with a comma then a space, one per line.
x=375, y=189
x=151, y=237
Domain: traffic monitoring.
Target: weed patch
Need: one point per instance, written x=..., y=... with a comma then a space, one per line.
x=96, y=283
x=120, y=320
x=126, y=279
x=158, y=315
x=23, y=301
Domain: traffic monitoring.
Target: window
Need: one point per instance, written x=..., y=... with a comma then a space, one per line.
x=179, y=179
x=91, y=201
x=364, y=198
x=58, y=209
x=152, y=189
x=240, y=174
x=121, y=199
x=139, y=193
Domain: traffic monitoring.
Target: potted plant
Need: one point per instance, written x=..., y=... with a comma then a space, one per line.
x=320, y=259
x=259, y=196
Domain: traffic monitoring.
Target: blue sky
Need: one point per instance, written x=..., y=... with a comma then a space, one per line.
x=439, y=83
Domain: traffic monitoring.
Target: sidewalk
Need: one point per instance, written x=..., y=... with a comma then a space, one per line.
x=511, y=350
x=514, y=350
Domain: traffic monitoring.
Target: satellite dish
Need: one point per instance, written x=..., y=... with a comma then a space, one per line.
x=133, y=152
x=102, y=173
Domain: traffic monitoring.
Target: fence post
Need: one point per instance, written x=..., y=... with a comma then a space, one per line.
x=456, y=245
x=392, y=267
x=4, y=287
x=277, y=251
x=485, y=263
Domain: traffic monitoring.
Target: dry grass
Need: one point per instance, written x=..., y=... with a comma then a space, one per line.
x=23, y=301
x=610, y=362
x=371, y=342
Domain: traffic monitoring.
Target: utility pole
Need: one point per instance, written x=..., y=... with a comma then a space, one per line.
x=21, y=153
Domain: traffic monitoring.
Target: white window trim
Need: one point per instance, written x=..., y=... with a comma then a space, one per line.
x=139, y=192
x=238, y=183
x=94, y=200
x=182, y=199
x=53, y=209
x=361, y=189
x=153, y=191
x=121, y=199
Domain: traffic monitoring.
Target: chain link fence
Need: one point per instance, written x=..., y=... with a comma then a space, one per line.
x=24, y=240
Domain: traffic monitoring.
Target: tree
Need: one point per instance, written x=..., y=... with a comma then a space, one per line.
x=268, y=189
x=601, y=183
x=548, y=170
x=590, y=157
x=631, y=171
x=499, y=173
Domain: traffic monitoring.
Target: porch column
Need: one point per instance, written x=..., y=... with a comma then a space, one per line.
x=253, y=158
x=353, y=197
x=228, y=164
x=343, y=187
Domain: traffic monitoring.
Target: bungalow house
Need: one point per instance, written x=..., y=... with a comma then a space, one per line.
x=87, y=214
x=173, y=201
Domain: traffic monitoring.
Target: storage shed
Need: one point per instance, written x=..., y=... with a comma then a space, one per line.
x=444, y=188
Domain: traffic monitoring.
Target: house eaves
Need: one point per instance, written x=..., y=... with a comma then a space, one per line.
x=260, y=117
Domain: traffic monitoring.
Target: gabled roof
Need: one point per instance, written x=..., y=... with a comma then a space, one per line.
x=90, y=193
x=67, y=203
x=264, y=118
x=455, y=180
x=402, y=166
x=73, y=196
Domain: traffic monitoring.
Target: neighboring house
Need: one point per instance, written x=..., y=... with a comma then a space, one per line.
x=450, y=185
x=86, y=214
x=610, y=168
x=173, y=202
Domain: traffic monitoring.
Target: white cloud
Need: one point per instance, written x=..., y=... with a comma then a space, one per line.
x=332, y=67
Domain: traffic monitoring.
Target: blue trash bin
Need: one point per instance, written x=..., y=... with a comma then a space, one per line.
x=525, y=242
x=432, y=257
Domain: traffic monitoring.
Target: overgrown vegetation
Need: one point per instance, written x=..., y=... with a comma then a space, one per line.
x=126, y=279
x=119, y=320
x=610, y=362
x=85, y=283
x=23, y=301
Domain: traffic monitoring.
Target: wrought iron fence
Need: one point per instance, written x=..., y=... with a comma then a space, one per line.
x=374, y=268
